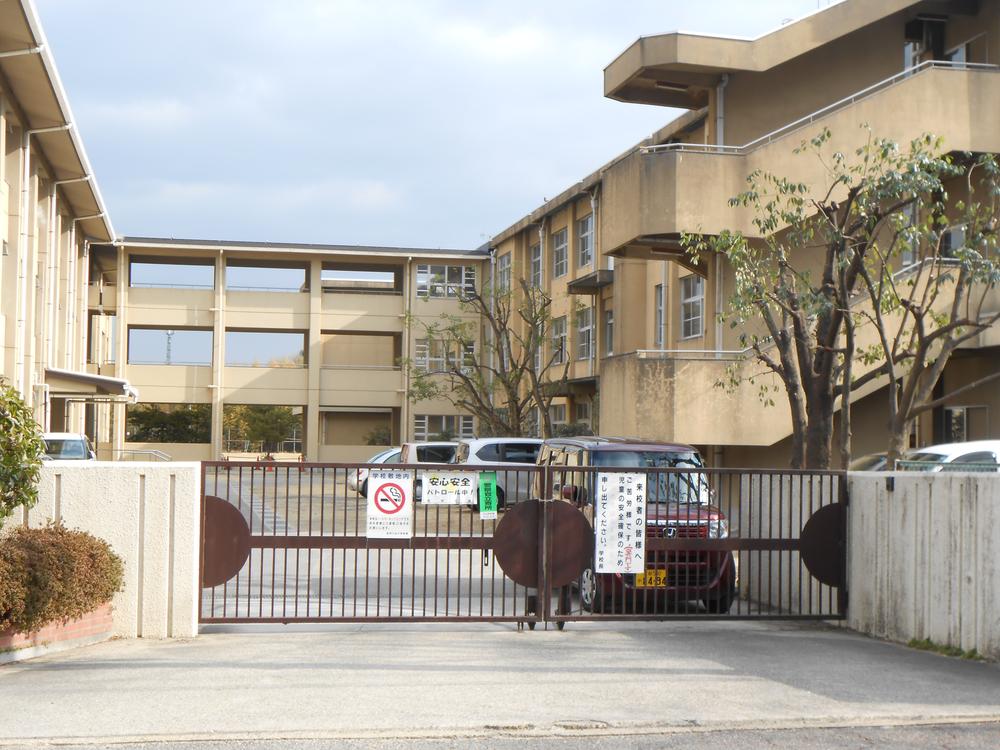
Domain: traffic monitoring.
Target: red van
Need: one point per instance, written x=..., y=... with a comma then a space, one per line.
x=679, y=505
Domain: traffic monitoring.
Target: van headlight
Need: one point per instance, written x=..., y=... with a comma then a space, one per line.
x=718, y=529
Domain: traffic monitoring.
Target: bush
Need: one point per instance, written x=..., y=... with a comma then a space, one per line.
x=53, y=574
x=21, y=450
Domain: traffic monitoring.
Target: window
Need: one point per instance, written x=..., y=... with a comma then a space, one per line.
x=433, y=355
x=520, y=453
x=959, y=55
x=559, y=340
x=582, y=411
x=658, y=316
x=911, y=54
x=169, y=346
x=584, y=332
x=536, y=265
x=441, y=282
x=965, y=423
x=557, y=413
x=489, y=452
x=503, y=273
x=442, y=427
x=908, y=253
x=265, y=348
x=559, y=260
x=102, y=339
x=952, y=240
x=195, y=273
x=692, y=306
x=585, y=237
x=609, y=332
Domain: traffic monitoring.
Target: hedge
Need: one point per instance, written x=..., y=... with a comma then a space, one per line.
x=54, y=574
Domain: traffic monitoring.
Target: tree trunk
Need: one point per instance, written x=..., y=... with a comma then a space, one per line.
x=819, y=433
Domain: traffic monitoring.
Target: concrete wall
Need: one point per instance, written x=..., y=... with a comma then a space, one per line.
x=148, y=513
x=925, y=558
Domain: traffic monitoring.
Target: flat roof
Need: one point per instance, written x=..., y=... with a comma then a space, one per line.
x=302, y=247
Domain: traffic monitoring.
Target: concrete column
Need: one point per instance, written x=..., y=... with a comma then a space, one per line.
x=218, y=357
x=314, y=360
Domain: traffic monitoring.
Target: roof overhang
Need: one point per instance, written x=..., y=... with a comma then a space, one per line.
x=677, y=69
x=85, y=386
x=298, y=248
x=592, y=282
x=29, y=72
x=661, y=247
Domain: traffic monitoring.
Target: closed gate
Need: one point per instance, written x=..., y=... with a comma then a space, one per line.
x=289, y=542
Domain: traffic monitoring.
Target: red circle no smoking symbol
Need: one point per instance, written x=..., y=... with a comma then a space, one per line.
x=389, y=498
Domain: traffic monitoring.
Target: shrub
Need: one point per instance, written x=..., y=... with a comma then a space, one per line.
x=21, y=450
x=54, y=574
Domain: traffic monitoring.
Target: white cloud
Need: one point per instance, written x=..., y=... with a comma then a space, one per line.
x=159, y=113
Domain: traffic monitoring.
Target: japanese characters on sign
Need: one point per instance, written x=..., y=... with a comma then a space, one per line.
x=620, y=523
x=449, y=488
x=488, y=495
x=390, y=504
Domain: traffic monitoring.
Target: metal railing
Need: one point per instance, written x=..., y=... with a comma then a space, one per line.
x=811, y=118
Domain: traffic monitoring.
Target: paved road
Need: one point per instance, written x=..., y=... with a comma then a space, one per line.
x=954, y=736
x=591, y=681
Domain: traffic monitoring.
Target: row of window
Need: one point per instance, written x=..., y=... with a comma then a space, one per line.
x=692, y=310
x=559, y=242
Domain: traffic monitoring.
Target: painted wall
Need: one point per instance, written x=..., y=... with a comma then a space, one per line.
x=148, y=513
x=925, y=558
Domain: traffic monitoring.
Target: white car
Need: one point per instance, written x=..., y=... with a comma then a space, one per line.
x=68, y=446
x=978, y=455
x=436, y=452
x=496, y=453
x=357, y=479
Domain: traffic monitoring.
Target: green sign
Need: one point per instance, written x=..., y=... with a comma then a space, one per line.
x=487, y=495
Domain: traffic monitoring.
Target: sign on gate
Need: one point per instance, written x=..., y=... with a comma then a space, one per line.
x=448, y=488
x=488, y=495
x=620, y=523
x=390, y=504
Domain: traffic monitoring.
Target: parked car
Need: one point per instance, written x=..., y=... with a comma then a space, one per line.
x=870, y=462
x=436, y=452
x=498, y=452
x=68, y=446
x=677, y=505
x=357, y=479
x=977, y=455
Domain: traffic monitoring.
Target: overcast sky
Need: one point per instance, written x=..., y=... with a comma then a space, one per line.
x=433, y=123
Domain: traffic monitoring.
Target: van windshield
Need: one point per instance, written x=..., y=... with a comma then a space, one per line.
x=664, y=487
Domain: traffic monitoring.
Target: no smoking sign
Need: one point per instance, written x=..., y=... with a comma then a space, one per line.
x=390, y=504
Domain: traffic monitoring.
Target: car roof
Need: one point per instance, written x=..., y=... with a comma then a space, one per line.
x=951, y=450
x=479, y=442
x=63, y=436
x=620, y=444
x=432, y=443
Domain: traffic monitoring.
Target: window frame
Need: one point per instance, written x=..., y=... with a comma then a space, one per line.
x=433, y=284
x=694, y=303
x=559, y=340
x=584, y=333
x=503, y=273
x=585, y=241
x=560, y=253
x=659, y=324
x=609, y=332
x=537, y=265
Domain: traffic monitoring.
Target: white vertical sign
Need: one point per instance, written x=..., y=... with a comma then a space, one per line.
x=390, y=504
x=620, y=523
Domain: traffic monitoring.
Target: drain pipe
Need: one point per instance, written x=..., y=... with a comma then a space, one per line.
x=720, y=110
x=720, y=139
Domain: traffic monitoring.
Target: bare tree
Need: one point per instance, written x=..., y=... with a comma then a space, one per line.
x=797, y=283
x=508, y=380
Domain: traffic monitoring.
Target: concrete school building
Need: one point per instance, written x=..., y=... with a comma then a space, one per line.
x=92, y=319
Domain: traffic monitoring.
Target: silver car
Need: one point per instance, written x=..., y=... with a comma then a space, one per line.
x=509, y=457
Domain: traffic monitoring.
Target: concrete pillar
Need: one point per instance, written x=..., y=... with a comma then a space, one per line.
x=218, y=357
x=314, y=360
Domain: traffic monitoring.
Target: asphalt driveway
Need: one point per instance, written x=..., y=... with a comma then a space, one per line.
x=432, y=680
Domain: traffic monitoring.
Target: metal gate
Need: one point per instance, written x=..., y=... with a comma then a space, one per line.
x=286, y=542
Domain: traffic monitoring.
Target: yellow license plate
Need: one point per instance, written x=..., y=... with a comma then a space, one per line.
x=651, y=579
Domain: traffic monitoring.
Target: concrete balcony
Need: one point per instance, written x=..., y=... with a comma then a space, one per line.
x=654, y=194
x=361, y=386
x=168, y=307
x=273, y=310
x=350, y=311
x=266, y=385
x=170, y=383
x=106, y=297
